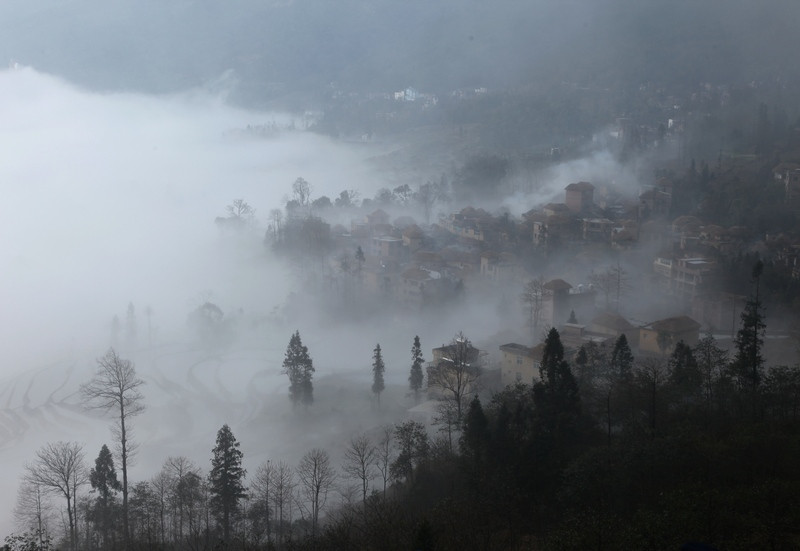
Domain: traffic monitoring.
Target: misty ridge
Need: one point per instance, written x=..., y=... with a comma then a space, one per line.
x=594, y=244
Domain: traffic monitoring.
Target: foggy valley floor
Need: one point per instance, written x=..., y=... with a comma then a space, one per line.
x=120, y=229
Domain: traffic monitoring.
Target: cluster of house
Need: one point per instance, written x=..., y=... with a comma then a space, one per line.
x=519, y=363
x=417, y=268
x=424, y=268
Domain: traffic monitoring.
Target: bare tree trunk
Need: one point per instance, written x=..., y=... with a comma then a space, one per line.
x=124, y=446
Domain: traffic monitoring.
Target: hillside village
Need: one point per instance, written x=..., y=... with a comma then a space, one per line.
x=579, y=255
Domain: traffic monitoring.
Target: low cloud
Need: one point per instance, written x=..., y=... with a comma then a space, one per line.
x=110, y=199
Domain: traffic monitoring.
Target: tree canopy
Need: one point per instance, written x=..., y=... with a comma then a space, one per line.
x=226, y=480
x=299, y=367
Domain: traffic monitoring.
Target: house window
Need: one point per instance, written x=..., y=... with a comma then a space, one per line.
x=519, y=376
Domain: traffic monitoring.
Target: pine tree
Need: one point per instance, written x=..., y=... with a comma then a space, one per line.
x=685, y=375
x=552, y=358
x=748, y=362
x=622, y=358
x=556, y=396
x=475, y=437
x=103, y=478
x=619, y=394
x=226, y=480
x=378, y=368
x=299, y=367
x=415, y=379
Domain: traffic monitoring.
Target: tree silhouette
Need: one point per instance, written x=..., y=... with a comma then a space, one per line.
x=103, y=478
x=378, y=369
x=115, y=387
x=300, y=368
x=416, y=377
x=226, y=480
x=59, y=468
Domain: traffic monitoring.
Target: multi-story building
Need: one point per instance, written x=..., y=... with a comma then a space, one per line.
x=683, y=278
x=579, y=197
x=520, y=363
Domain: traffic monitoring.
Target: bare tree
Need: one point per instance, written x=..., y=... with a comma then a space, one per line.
x=283, y=493
x=33, y=511
x=652, y=374
x=611, y=282
x=457, y=373
x=359, y=463
x=302, y=191
x=263, y=490
x=383, y=455
x=316, y=479
x=59, y=468
x=427, y=195
x=711, y=359
x=161, y=485
x=532, y=298
x=276, y=224
x=180, y=469
x=115, y=387
x=239, y=209
x=620, y=283
x=447, y=420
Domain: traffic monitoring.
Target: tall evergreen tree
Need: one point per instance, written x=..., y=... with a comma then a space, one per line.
x=475, y=437
x=378, y=368
x=622, y=358
x=552, y=358
x=300, y=368
x=415, y=379
x=103, y=478
x=685, y=375
x=556, y=397
x=748, y=362
x=226, y=480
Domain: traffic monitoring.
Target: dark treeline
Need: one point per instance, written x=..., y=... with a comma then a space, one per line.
x=604, y=451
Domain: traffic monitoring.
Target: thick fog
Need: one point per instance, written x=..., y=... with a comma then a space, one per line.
x=127, y=130
x=110, y=200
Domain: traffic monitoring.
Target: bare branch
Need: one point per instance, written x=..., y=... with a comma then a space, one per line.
x=115, y=387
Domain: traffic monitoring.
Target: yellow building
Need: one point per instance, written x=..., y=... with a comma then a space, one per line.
x=520, y=363
x=660, y=337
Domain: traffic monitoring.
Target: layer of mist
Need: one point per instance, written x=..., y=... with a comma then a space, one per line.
x=110, y=200
x=108, y=239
